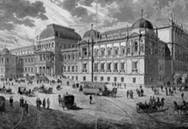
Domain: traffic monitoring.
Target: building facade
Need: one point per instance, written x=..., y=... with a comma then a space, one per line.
x=140, y=54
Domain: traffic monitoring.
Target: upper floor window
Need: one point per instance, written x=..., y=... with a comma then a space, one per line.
x=84, y=51
x=102, y=52
x=122, y=66
x=116, y=50
x=95, y=52
x=115, y=67
x=134, y=66
x=102, y=67
x=109, y=67
x=135, y=46
x=96, y=67
x=109, y=51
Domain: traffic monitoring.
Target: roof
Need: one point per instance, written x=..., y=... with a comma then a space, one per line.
x=142, y=23
x=91, y=33
x=60, y=31
x=5, y=51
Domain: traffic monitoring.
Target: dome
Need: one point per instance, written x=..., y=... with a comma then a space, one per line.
x=5, y=51
x=91, y=33
x=142, y=23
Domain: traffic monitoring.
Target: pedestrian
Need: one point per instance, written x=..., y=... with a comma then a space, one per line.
x=48, y=103
x=161, y=88
x=166, y=89
x=90, y=99
x=128, y=93
x=141, y=92
x=26, y=107
x=44, y=103
x=59, y=99
x=11, y=101
x=182, y=96
x=39, y=103
x=21, y=102
x=131, y=94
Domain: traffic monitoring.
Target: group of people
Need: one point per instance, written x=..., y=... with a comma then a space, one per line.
x=140, y=92
x=130, y=94
x=24, y=105
x=45, y=103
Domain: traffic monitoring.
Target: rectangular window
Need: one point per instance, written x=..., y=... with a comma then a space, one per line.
x=109, y=51
x=102, y=52
x=108, y=67
x=122, y=79
x=134, y=80
x=102, y=67
x=84, y=51
x=95, y=78
x=115, y=67
x=108, y=78
x=96, y=67
x=115, y=79
x=116, y=50
x=122, y=67
x=134, y=66
x=84, y=67
x=102, y=78
x=84, y=78
x=72, y=68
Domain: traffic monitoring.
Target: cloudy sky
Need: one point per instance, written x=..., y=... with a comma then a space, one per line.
x=22, y=20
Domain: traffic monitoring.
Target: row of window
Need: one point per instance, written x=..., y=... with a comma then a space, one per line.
x=70, y=56
x=4, y=60
x=70, y=68
x=117, y=67
x=44, y=57
x=28, y=69
x=28, y=60
x=46, y=45
x=24, y=52
x=118, y=51
x=122, y=79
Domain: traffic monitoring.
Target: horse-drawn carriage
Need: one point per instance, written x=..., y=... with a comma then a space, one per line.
x=151, y=107
x=2, y=104
x=24, y=91
x=181, y=108
x=97, y=88
x=45, y=90
x=68, y=101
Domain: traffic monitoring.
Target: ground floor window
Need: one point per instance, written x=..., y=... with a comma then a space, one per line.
x=115, y=79
x=122, y=79
x=134, y=80
x=108, y=78
x=77, y=78
x=84, y=78
x=102, y=78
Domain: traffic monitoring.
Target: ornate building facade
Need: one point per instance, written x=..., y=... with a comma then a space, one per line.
x=140, y=54
x=133, y=55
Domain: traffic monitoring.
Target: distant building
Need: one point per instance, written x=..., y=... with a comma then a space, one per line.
x=9, y=65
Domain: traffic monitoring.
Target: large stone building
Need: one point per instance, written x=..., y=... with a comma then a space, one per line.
x=140, y=54
x=133, y=55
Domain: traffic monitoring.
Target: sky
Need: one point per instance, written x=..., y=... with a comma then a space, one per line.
x=22, y=20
